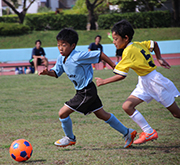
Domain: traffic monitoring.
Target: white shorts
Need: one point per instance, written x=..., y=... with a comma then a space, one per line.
x=155, y=86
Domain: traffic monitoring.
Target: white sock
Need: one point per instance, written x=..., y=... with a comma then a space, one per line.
x=141, y=121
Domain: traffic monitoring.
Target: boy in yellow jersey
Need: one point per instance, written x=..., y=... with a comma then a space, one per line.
x=151, y=84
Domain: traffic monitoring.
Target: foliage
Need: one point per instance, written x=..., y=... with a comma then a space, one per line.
x=10, y=29
x=9, y=19
x=13, y=4
x=81, y=7
x=130, y=5
x=6, y=11
x=44, y=9
x=51, y=21
x=138, y=20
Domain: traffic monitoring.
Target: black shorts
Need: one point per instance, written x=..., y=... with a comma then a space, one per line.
x=86, y=100
x=39, y=62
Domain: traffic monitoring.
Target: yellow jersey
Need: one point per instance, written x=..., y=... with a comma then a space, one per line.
x=136, y=56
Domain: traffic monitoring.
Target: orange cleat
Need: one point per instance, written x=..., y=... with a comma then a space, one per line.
x=145, y=137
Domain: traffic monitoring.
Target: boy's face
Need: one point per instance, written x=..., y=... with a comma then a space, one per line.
x=65, y=48
x=38, y=45
x=97, y=40
x=119, y=42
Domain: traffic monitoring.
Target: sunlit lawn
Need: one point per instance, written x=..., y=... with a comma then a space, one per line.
x=29, y=106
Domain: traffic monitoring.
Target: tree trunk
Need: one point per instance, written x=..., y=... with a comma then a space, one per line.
x=91, y=8
x=175, y=4
x=21, y=16
x=92, y=19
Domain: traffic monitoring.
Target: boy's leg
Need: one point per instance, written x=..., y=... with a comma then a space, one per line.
x=45, y=61
x=93, y=65
x=35, y=61
x=129, y=107
x=129, y=134
x=175, y=110
x=104, y=65
x=66, y=124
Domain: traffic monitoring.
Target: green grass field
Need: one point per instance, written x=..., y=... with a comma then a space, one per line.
x=48, y=38
x=29, y=109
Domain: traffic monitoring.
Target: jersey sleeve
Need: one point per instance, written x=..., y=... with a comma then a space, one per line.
x=90, y=57
x=122, y=68
x=33, y=52
x=43, y=52
x=90, y=46
x=149, y=44
x=58, y=68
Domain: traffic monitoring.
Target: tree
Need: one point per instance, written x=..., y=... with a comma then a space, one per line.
x=13, y=4
x=91, y=7
x=175, y=4
x=143, y=5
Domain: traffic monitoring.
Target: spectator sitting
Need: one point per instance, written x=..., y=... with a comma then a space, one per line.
x=38, y=56
x=97, y=46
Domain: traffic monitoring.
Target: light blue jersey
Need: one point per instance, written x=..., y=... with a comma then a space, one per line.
x=77, y=67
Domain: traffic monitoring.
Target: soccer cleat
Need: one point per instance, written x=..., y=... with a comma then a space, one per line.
x=145, y=137
x=129, y=138
x=65, y=141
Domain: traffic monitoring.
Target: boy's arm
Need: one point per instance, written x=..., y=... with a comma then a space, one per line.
x=100, y=81
x=48, y=72
x=161, y=61
x=107, y=60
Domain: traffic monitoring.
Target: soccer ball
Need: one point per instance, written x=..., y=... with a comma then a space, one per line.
x=21, y=150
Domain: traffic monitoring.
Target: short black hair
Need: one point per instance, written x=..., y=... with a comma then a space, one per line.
x=69, y=35
x=123, y=28
x=98, y=36
x=37, y=41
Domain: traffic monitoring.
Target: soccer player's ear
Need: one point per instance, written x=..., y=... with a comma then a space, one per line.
x=126, y=38
x=73, y=45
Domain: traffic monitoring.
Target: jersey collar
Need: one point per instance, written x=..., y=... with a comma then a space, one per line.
x=129, y=44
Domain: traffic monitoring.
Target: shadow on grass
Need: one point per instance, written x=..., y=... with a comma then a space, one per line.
x=155, y=147
x=137, y=147
x=34, y=161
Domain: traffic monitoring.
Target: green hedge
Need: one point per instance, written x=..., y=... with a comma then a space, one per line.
x=9, y=19
x=50, y=21
x=138, y=20
x=9, y=29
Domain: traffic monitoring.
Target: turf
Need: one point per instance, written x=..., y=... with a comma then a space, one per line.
x=48, y=38
x=29, y=109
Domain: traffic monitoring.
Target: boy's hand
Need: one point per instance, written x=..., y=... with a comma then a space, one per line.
x=99, y=81
x=163, y=63
x=43, y=72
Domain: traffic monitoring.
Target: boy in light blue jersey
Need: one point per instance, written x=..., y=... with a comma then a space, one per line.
x=77, y=66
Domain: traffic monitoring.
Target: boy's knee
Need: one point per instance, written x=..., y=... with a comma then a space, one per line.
x=128, y=108
x=125, y=106
x=61, y=115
